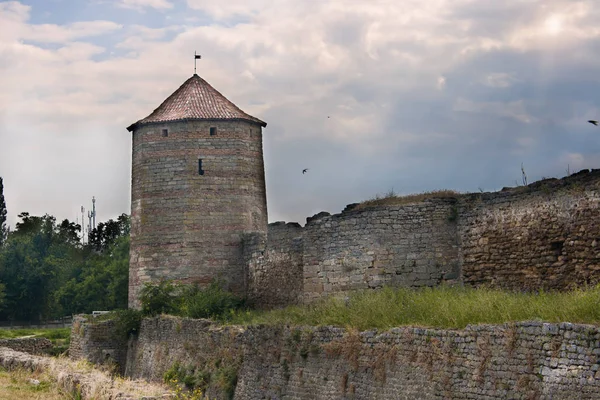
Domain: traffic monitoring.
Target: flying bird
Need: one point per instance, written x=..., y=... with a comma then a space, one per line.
x=304, y=171
x=593, y=122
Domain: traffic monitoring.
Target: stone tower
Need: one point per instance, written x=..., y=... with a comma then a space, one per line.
x=198, y=184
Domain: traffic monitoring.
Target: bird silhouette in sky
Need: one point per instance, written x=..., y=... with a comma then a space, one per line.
x=591, y=121
x=305, y=170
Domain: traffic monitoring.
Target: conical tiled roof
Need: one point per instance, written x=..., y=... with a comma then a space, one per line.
x=195, y=99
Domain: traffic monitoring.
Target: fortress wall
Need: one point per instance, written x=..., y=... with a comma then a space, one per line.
x=522, y=361
x=545, y=235
x=98, y=342
x=29, y=345
x=405, y=245
x=542, y=236
x=275, y=266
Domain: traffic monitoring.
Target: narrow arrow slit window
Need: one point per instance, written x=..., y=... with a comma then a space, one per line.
x=200, y=170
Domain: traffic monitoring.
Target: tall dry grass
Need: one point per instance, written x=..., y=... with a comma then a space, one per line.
x=441, y=307
x=392, y=198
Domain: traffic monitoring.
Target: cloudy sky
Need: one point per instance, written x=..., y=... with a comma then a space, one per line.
x=420, y=95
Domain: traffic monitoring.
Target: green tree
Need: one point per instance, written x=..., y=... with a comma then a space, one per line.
x=107, y=233
x=27, y=276
x=35, y=259
x=3, y=228
x=2, y=296
x=47, y=273
x=101, y=283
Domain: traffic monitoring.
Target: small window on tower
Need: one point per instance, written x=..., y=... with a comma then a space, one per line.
x=165, y=132
x=213, y=131
x=200, y=170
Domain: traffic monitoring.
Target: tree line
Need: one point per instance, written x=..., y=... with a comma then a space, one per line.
x=46, y=273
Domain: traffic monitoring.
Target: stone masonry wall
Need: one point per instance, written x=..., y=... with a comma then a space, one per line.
x=529, y=360
x=542, y=236
x=28, y=345
x=187, y=225
x=97, y=341
x=275, y=267
x=407, y=245
x=545, y=235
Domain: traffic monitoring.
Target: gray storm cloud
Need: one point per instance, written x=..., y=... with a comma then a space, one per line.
x=370, y=96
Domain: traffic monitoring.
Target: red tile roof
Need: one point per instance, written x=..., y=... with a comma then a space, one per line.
x=195, y=99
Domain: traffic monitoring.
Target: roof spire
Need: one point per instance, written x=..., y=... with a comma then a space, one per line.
x=196, y=100
x=196, y=57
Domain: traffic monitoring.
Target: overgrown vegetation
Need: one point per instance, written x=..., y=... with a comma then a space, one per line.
x=189, y=301
x=171, y=298
x=46, y=273
x=188, y=377
x=24, y=384
x=127, y=321
x=61, y=378
x=191, y=381
x=440, y=307
x=392, y=198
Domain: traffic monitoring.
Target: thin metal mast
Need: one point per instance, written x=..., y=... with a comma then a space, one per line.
x=82, y=226
x=94, y=212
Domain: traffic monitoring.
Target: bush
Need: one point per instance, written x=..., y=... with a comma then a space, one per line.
x=211, y=302
x=127, y=321
x=190, y=376
x=159, y=299
x=189, y=301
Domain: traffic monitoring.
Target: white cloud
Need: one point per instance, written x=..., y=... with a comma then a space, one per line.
x=514, y=109
x=49, y=33
x=224, y=9
x=14, y=27
x=441, y=83
x=499, y=80
x=375, y=68
x=140, y=4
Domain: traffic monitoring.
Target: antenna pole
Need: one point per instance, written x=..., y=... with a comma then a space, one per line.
x=82, y=226
x=93, y=212
x=89, y=224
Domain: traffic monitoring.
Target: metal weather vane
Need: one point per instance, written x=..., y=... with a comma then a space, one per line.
x=196, y=57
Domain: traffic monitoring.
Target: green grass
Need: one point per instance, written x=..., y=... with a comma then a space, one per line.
x=17, y=384
x=441, y=307
x=52, y=334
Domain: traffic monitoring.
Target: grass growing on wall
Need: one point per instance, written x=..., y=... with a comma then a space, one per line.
x=392, y=198
x=441, y=307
